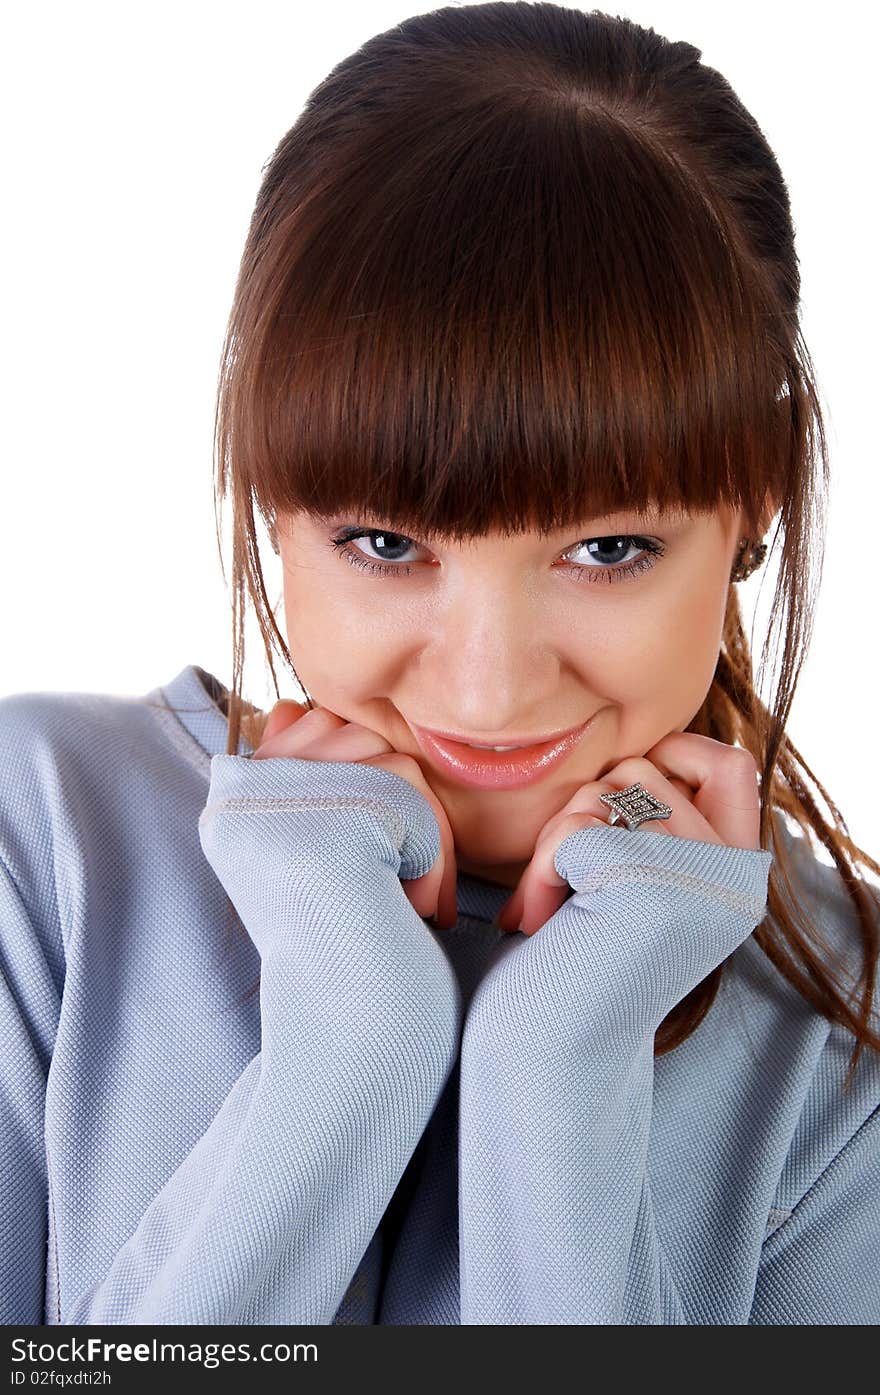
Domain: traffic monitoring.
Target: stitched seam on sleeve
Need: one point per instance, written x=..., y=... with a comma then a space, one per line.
x=740, y=900
x=54, y=1228
x=776, y=1216
x=275, y=805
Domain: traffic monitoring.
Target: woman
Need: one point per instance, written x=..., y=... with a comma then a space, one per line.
x=515, y=341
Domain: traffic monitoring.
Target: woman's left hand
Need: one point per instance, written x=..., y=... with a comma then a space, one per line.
x=712, y=789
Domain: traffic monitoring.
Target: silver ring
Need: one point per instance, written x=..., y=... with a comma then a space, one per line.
x=634, y=805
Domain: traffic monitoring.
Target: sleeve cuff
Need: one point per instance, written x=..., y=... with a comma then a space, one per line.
x=285, y=783
x=606, y=852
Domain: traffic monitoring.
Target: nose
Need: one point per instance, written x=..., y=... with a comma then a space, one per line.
x=494, y=667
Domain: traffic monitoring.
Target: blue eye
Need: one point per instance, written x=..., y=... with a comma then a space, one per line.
x=651, y=552
x=397, y=543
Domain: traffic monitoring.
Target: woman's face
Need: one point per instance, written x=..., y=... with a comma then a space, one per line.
x=529, y=635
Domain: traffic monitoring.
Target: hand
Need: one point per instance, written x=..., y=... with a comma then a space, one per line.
x=712, y=789
x=319, y=734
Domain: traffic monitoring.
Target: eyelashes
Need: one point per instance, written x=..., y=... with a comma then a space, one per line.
x=356, y=558
x=652, y=552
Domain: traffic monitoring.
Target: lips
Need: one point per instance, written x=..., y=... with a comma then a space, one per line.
x=497, y=769
x=507, y=741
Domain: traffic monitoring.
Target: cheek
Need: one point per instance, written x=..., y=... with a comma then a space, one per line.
x=657, y=671
x=340, y=653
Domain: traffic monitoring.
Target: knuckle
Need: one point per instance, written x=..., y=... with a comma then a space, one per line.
x=397, y=763
x=310, y=723
x=290, y=706
x=744, y=762
x=568, y=824
x=314, y=715
x=632, y=769
x=401, y=763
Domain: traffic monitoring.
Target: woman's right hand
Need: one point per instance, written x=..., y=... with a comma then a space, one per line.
x=292, y=729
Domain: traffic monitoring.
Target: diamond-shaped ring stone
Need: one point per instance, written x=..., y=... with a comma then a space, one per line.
x=634, y=805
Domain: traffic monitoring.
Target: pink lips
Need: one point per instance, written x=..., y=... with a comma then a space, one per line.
x=497, y=769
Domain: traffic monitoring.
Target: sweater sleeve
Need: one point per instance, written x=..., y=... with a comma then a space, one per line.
x=267, y=1217
x=557, y=1062
x=28, y=1002
x=820, y=1266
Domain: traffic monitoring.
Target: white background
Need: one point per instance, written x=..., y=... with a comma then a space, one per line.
x=134, y=139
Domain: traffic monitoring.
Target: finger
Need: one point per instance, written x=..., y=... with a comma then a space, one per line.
x=725, y=780
x=543, y=889
x=430, y=896
x=435, y=892
x=685, y=821
x=511, y=912
x=351, y=742
x=304, y=737
x=418, y=894
x=442, y=880
x=447, y=899
x=283, y=715
x=510, y=915
x=538, y=894
x=423, y=892
x=447, y=906
x=443, y=877
x=320, y=734
x=682, y=788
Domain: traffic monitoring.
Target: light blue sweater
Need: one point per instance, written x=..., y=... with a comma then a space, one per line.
x=403, y=1125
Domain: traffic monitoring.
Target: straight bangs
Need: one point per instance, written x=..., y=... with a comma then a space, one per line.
x=519, y=320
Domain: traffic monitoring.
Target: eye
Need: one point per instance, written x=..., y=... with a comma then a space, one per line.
x=607, y=554
x=390, y=545
x=613, y=549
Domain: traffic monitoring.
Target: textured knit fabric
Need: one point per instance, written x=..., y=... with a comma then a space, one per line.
x=401, y=1125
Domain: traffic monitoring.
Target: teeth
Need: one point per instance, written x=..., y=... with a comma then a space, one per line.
x=491, y=748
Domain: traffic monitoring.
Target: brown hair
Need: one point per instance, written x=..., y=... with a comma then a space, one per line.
x=515, y=257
